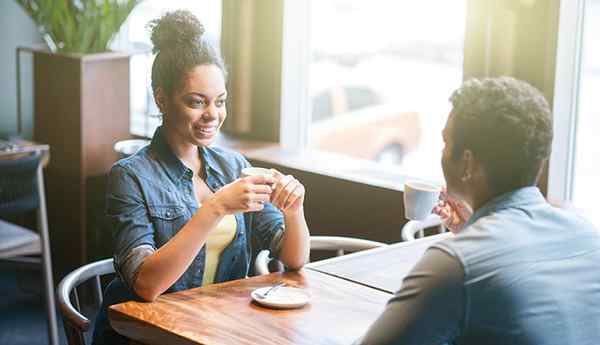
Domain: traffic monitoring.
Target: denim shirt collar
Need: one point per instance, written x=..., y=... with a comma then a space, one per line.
x=175, y=168
x=519, y=197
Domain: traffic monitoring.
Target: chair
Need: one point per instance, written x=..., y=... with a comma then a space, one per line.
x=21, y=191
x=336, y=243
x=416, y=227
x=126, y=148
x=74, y=322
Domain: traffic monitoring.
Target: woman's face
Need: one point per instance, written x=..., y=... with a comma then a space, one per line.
x=196, y=110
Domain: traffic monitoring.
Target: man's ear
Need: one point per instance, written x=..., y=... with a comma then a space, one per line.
x=160, y=98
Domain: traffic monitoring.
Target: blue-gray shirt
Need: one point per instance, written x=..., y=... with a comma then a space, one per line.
x=520, y=272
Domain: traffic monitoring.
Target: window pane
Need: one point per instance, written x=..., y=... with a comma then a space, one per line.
x=381, y=73
x=586, y=184
x=135, y=36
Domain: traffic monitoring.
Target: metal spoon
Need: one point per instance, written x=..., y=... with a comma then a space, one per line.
x=270, y=290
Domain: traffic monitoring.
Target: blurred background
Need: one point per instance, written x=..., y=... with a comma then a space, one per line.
x=349, y=96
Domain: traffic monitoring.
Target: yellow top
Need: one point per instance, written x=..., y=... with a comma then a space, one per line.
x=217, y=240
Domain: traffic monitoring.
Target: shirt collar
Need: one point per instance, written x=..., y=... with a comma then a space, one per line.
x=175, y=168
x=211, y=164
x=519, y=197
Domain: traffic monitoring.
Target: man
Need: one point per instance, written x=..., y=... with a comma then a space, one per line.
x=519, y=271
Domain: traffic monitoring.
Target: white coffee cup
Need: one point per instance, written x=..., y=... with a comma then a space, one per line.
x=256, y=171
x=419, y=199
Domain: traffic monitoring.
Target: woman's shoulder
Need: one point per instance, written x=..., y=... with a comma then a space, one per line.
x=133, y=164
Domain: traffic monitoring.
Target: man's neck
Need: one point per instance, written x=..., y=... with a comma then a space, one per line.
x=480, y=196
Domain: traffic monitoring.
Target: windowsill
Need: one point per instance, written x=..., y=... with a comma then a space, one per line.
x=318, y=162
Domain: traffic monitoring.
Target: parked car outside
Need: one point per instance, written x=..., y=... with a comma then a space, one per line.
x=353, y=120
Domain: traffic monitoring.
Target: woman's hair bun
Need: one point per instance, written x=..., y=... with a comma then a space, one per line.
x=175, y=28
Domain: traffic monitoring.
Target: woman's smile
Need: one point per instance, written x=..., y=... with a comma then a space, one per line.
x=205, y=131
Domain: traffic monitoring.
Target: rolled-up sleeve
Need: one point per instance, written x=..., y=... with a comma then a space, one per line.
x=127, y=217
x=268, y=227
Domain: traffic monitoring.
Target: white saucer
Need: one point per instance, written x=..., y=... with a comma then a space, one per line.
x=285, y=297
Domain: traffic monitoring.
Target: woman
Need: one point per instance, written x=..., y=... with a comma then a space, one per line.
x=181, y=215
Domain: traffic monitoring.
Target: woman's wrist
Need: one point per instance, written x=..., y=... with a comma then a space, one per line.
x=214, y=207
x=296, y=215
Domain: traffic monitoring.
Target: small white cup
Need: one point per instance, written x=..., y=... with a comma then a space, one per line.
x=419, y=199
x=255, y=171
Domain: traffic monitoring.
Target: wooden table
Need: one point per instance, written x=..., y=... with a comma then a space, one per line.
x=339, y=312
x=382, y=268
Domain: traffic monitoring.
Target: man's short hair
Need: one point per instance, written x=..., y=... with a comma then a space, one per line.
x=507, y=125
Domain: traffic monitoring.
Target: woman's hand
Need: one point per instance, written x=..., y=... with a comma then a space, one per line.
x=453, y=212
x=247, y=194
x=288, y=194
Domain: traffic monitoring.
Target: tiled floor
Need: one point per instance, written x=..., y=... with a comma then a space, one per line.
x=22, y=308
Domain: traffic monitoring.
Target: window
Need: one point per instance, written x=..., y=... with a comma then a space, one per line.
x=575, y=166
x=370, y=81
x=135, y=36
x=379, y=75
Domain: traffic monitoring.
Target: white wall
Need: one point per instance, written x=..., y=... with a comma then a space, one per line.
x=16, y=29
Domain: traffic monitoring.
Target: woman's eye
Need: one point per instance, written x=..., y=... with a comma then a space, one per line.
x=196, y=102
x=219, y=103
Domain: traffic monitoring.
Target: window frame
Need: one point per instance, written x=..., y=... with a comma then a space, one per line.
x=295, y=99
x=566, y=90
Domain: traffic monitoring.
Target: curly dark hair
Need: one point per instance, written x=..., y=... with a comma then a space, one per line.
x=178, y=43
x=507, y=125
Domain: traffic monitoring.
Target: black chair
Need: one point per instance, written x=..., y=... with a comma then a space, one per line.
x=75, y=323
x=21, y=191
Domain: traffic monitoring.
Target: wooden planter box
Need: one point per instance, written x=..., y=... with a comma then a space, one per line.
x=81, y=110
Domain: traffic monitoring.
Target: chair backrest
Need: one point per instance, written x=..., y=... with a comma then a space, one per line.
x=415, y=227
x=338, y=244
x=75, y=323
x=19, y=191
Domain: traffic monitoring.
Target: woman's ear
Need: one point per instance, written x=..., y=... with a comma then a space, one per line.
x=160, y=98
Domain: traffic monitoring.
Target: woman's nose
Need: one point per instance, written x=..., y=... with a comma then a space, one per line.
x=211, y=112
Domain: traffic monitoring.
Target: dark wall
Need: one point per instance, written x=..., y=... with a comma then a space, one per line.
x=335, y=206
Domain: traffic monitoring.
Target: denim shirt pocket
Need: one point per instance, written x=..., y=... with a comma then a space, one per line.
x=167, y=220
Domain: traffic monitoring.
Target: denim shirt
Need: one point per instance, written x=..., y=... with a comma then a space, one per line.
x=151, y=197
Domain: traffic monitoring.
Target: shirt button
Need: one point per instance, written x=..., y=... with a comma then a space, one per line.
x=168, y=214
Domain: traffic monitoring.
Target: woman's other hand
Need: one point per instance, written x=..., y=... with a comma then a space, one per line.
x=288, y=194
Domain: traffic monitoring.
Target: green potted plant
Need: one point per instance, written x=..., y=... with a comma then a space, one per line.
x=78, y=26
x=81, y=108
